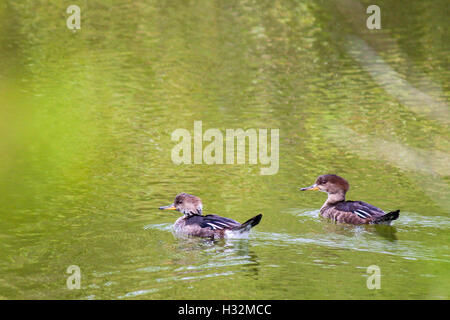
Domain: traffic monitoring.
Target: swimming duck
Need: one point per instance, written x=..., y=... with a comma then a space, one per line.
x=193, y=223
x=340, y=210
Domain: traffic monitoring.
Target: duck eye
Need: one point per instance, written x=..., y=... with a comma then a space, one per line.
x=323, y=182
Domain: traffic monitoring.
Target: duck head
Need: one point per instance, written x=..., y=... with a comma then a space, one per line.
x=187, y=204
x=336, y=187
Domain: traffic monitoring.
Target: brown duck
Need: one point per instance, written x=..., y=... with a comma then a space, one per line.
x=193, y=223
x=340, y=210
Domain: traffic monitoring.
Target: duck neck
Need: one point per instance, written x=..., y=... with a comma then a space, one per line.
x=191, y=214
x=334, y=198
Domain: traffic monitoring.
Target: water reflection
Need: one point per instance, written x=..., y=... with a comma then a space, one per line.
x=387, y=232
x=205, y=256
x=86, y=123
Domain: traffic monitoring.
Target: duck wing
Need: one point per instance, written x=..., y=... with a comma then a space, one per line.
x=362, y=209
x=213, y=222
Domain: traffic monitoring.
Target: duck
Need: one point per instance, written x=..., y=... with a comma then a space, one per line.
x=352, y=212
x=193, y=223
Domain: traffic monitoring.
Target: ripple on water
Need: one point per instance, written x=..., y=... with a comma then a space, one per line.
x=361, y=238
x=160, y=226
x=138, y=293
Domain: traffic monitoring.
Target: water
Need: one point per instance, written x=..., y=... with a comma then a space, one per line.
x=86, y=120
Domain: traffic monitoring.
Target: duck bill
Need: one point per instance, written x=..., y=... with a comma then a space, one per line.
x=310, y=188
x=169, y=207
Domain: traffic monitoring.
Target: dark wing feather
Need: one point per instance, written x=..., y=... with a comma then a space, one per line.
x=361, y=209
x=213, y=222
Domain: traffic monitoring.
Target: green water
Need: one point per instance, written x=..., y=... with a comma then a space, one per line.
x=86, y=119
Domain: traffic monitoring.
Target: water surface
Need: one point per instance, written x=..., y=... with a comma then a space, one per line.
x=86, y=120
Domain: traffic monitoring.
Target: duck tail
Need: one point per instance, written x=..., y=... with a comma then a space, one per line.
x=388, y=217
x=250, y=223
x=244, y=228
